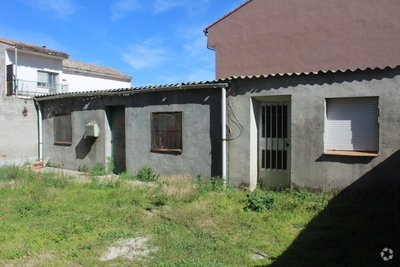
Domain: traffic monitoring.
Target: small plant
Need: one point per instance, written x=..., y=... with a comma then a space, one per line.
x=110, y=164
x=98, y=169
x=146, y=174
x=83, y=168
x=260, y=201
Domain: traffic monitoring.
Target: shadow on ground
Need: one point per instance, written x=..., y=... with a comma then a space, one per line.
x=356, y=226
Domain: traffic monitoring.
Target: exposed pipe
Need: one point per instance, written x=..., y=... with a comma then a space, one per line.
x=40, y=130
x=223, y=126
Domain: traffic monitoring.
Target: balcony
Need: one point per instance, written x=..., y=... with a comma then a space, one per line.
x=27, y=89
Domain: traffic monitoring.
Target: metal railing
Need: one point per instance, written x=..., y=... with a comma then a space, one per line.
x=27, y=88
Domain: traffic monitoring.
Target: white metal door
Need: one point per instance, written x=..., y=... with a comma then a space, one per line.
x=274, y=152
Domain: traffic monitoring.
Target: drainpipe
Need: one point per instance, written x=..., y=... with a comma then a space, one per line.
x=40, y=130
x=223, y=123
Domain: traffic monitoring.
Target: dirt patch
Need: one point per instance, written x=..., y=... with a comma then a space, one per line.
x=129, y=249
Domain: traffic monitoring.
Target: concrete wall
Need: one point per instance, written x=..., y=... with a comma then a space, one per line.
x=201, y=131
x=79, y=82
x=307, y=93
x=294, y=36
x=18, y=133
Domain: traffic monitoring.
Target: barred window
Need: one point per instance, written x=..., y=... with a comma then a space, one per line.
x=166, y=131
x=62, y=129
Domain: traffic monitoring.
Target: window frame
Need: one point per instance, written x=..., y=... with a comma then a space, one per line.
x=67, y=127
x=153, y=146
x=354, y=152
x=50, y=83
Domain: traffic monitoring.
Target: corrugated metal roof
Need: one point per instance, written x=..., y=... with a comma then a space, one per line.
x=81, y=66
x=304, y=73
x=227, y=15
x=183, y=86
x=34, y=48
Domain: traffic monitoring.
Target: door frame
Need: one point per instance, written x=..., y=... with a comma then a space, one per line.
x=274, y=100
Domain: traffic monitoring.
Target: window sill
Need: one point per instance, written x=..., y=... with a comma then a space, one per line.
x=351, y=153
x=63, y=143
x=167, y=150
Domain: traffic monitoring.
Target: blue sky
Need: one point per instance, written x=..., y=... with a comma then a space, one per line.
x=154, y=41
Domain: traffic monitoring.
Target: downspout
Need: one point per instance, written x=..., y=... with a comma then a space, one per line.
x=40, y=130
x=223, y=124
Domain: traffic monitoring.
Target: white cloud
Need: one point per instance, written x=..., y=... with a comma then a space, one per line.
x=61, y=8
x=148, y=54
x=122, y=7
x=191, y=6
x=165, y=5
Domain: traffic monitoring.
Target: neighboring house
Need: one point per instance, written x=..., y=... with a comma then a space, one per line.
x=24, y=70
x=88, y=77
x=293, y=36
x=27, y=70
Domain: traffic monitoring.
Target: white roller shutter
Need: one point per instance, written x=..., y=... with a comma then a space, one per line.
x=352, y=124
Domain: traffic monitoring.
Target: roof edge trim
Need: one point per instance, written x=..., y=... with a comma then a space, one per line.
x=227, y=15
x=132, y=91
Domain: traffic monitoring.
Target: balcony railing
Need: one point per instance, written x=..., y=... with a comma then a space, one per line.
x=24, y=88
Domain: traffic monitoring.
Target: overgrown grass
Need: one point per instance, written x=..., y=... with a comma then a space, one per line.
x=49, y=220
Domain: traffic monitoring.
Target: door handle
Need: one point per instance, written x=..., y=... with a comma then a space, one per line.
x=287, y=144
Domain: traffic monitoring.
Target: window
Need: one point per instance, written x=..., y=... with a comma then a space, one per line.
x=352, y=126
x=166, y=131
x=62, y=130
x=47, y=80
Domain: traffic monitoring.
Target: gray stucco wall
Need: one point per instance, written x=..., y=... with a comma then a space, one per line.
x=18, y=133
x=201, y=131
x=307, y=93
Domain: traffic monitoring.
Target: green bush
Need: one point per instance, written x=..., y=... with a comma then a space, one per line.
x=98, y=169
x=146, y=174
x=260, y=201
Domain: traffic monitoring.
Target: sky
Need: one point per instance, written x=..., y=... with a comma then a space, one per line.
x=154, y=41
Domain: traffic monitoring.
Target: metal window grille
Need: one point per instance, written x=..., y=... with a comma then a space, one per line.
x=166, y=131
x=62, y=129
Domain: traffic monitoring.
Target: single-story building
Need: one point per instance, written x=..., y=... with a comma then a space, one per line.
x=335, y=129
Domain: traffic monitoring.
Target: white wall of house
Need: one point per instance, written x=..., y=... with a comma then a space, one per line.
x=28, y=65
x=83, y=81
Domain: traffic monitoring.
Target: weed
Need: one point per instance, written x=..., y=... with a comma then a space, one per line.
x=98, y=169
x=12, y=172
x=110, y=165
x=260, y=201
x=83, y=168
x=146, y=174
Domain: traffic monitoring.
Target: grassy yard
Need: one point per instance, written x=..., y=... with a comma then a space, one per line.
x=57, y=220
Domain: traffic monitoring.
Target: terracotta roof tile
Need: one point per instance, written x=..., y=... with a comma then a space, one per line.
x=81, y=66
x=34, y=48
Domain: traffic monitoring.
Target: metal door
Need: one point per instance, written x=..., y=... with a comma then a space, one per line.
x=274, y=152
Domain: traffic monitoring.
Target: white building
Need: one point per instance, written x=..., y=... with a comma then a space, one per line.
x=27, y=70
